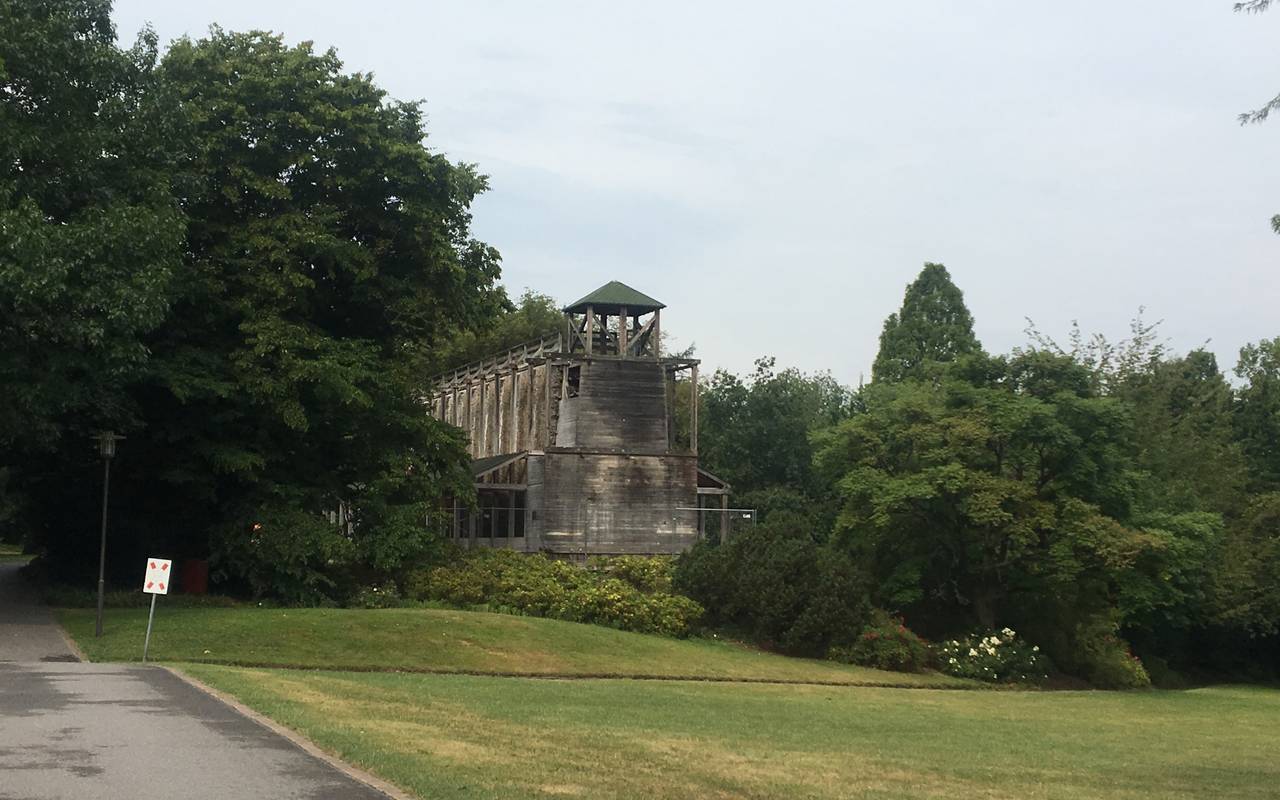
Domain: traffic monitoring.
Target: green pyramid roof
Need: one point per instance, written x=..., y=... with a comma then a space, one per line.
x=613, y=296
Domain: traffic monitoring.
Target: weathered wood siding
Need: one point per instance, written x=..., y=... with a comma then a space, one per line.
x=621, y=405
x=608, y=503
x=504, y=411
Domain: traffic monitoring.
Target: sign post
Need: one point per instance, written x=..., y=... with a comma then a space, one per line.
x=155, y=583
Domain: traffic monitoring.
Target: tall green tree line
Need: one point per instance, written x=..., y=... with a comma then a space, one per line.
x=245, y=259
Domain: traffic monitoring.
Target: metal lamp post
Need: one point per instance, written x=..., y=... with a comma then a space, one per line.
x=107, y=448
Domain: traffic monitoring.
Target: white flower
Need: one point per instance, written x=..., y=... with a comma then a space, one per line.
x=1035, y=648
x=953, y=661
x=1007, y=631
x=972, y=652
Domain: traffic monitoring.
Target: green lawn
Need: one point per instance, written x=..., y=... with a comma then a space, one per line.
x=11, y=552
x=432, y=640
x=483, y=737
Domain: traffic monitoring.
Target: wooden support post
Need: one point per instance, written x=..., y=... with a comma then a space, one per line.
x=693, y=410
x=546, y=386
x=591, y=328
x=724, y=519
x=657, y=333
x=622, y=332
x=667, y=404
x=515, y=410
x=499, y=416
x=470, y=427
x=484, y=418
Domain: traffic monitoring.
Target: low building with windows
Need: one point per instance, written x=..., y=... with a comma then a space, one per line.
x=574, y=438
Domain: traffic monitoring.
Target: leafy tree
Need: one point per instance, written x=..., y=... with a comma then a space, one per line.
x=1245, y=586
x=933, y=326
x=962, y=493
x=755, y=434
x=533, y=317
x=1110, y=363
x=328, y=254
x=1182, y=410
x=1257, y=418
x=89, y=233
x=1260, y=114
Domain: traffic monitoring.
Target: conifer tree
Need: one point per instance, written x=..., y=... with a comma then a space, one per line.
x=933, y=325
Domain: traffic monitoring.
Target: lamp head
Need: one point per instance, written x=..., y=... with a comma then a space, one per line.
x=107, y=443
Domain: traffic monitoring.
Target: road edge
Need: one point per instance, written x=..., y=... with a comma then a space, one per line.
x=303, y=743
x=67, y=637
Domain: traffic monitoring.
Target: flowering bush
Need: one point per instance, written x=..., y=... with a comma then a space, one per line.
x=885, y=643
x=999, y=657
x=503, y=580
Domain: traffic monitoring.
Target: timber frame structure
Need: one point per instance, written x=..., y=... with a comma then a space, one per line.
x=574, y=441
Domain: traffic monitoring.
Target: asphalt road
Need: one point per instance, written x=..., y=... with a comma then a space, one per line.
x=78, y=730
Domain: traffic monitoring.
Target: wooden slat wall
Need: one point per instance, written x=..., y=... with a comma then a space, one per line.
x=621, y=405
x=612, y=503
x=502, y=412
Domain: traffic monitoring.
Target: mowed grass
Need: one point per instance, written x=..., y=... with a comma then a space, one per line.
x=434, y=640
x=482, y=737
x=12, y=553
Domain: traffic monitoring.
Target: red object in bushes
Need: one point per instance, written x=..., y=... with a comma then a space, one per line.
x=195, y=576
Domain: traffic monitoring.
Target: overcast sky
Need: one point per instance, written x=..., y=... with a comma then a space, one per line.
x=777, y=173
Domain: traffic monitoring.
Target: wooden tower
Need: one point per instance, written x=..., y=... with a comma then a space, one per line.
x=573, y=438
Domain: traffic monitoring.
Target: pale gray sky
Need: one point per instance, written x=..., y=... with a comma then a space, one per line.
x=777, y=173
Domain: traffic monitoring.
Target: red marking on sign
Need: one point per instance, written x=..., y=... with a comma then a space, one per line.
x=163, y=567
x=162, y=586
x=149, y=584
x=153, y=565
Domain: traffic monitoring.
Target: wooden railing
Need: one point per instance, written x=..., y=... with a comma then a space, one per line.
x=536, y=348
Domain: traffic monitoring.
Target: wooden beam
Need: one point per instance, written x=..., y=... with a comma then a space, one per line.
x=591, y=328
x=622, y=332
x=642, y=333
x=515, y=411
x=693, y=410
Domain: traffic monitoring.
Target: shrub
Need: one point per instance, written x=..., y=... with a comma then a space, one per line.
x=885, y=643
x=999, y=657
x=383, y=595
x=284, y=553
x=778, y=587
x=648, y=574
x=536, y=585
x=1111, y=665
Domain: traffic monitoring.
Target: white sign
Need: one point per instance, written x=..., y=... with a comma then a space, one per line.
x=157, y=580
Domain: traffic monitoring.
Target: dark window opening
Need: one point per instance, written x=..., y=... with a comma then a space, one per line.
x=517, y=514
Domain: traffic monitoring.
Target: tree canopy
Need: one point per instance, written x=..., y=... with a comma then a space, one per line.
x=933, y=326
x=314, y=255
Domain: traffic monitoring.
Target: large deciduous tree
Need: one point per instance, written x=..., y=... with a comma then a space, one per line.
x=756, y=432
x=89, y=232
x=934, y=325
x=328, y=253
x=1257, y=418
x=1003, y=477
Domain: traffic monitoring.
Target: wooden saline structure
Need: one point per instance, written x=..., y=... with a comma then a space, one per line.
x=573, y=438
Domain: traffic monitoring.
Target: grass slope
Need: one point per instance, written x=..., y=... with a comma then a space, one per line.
x=12, y=553
x=480, y=737
x=433, y=640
